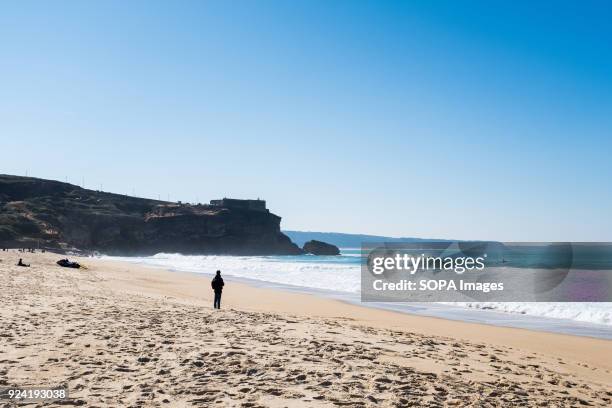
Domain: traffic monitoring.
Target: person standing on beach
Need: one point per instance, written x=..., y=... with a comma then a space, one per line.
x=217, y=285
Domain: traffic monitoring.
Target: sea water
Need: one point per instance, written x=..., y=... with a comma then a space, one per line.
x=341, y=274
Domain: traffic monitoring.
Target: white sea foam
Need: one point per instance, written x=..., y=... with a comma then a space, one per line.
x=342, y=274
x=305, y=271
x=600, y=313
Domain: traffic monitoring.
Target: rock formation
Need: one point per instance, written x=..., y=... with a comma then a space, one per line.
x=320, y=248
x=56, y=215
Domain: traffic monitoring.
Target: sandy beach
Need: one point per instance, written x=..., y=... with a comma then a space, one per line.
x=121, y=335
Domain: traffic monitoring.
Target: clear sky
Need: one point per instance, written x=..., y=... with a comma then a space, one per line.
x=459, y=119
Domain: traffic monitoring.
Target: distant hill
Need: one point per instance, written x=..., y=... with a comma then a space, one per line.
x=342, y=240
x=55, y=215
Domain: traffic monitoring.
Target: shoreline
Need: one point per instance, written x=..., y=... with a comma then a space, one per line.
x=122, y=334
x=445, y=311
x=250, y=297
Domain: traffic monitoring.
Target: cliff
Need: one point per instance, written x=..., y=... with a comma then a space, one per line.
x=36, y=212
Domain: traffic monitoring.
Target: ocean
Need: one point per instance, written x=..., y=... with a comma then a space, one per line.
x=340, y=277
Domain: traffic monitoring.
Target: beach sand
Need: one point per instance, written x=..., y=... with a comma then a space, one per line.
x=123, y=335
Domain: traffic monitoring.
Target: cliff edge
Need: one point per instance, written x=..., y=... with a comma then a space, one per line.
x=55, y=215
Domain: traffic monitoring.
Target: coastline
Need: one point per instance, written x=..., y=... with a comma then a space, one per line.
x=460, y=355
x=264, y=273
x=242, y=296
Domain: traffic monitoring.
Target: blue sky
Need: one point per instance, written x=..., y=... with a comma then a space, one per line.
x=472, y=120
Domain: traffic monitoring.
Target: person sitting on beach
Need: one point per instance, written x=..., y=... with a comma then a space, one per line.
x=20, y=263
x=217, y=285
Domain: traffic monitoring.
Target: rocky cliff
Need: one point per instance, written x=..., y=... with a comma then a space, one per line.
x=46, y=213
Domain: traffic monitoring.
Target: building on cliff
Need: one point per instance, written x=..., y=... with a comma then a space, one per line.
x=64, y=217
x=253, y=205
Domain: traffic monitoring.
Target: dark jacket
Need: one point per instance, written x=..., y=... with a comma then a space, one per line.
x=217, y=284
